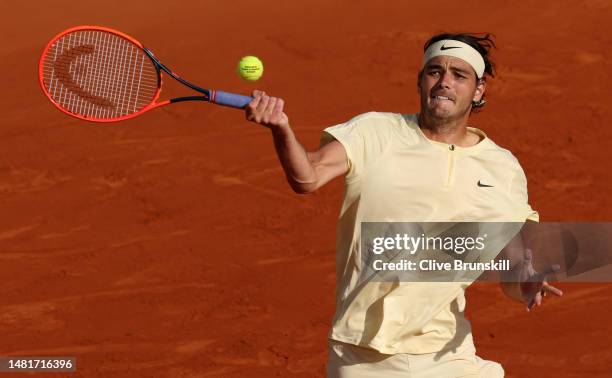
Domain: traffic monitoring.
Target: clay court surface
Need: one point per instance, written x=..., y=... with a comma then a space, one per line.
x=171, y=246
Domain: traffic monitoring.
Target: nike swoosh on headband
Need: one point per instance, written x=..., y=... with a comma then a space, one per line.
x=449, y=47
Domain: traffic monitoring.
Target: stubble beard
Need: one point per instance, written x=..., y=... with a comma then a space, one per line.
x=439, y=118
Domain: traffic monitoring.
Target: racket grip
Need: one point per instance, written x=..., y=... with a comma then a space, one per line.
x=230, y=99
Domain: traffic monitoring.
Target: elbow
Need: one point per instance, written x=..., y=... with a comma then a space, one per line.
x=305, y=184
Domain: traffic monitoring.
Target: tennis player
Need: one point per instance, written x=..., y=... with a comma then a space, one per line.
x=424, y=167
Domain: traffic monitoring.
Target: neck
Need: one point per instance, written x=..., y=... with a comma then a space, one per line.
x=453, y=131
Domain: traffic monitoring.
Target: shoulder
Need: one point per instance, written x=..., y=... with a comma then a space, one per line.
x=500, y=154
x=372, y=120
x=380, y=117
x=368, y=127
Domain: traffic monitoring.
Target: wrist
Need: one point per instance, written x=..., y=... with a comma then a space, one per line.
x=281, y=131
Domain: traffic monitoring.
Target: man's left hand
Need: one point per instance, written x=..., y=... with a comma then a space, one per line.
x=534, y=286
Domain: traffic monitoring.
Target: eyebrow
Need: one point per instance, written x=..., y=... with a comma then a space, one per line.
x=455, y=69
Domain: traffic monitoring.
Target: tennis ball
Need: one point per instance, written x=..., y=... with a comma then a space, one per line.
x=250, y=68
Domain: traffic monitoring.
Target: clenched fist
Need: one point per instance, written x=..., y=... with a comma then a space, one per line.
x=267, y=111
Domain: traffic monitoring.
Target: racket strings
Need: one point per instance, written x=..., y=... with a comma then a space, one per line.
x=98, y=74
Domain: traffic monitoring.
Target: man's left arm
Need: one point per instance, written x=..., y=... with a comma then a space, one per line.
x=522, y=282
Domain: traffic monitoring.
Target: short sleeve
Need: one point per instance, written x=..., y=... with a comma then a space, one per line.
x=364, y=138
x=518, y=191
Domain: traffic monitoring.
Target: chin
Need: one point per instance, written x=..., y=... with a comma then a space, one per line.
x=440, y=113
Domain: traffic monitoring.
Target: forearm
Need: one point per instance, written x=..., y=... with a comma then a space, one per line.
x=298, y=167
x=305, y=171
x=512, y=290
x=511, y=280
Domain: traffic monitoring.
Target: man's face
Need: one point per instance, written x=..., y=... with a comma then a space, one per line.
x=447, y=86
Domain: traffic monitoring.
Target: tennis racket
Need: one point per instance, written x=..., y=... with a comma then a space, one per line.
x=102, y=75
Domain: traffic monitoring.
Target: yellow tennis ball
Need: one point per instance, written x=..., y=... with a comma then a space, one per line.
x=250, y=68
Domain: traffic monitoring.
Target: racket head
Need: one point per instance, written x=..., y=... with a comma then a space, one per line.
x=99, y=74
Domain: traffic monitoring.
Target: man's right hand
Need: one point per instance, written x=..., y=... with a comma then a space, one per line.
x=267, y=111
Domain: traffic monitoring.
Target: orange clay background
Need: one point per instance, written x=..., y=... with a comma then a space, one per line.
x=171, y=246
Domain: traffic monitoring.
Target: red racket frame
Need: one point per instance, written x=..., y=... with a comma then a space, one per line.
x=153, y=103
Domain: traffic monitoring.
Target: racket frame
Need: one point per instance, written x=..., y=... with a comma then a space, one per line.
x=207, y=95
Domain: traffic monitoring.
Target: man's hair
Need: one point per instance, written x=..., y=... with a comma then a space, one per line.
x=483, y=43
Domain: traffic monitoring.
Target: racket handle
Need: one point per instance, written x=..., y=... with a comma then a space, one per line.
x=230, y=99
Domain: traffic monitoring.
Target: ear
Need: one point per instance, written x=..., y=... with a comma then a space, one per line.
x=481, y=86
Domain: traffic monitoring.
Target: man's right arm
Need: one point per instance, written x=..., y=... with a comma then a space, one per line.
x=305, y=171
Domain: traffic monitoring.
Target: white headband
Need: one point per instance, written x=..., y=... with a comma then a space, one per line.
x=457, y=49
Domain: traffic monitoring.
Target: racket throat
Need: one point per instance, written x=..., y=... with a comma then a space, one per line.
x=189, y=98
x=167, y=70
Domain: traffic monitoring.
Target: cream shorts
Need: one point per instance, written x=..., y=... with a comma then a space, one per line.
x=351, y=361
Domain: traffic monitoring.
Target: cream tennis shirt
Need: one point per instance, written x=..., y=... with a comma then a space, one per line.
x=396, y=174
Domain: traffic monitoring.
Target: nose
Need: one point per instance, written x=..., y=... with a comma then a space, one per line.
x=444, y=80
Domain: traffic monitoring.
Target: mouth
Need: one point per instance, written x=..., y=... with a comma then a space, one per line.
x=442, y=98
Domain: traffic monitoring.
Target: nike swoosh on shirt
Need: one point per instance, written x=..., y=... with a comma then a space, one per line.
x=484, y=185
